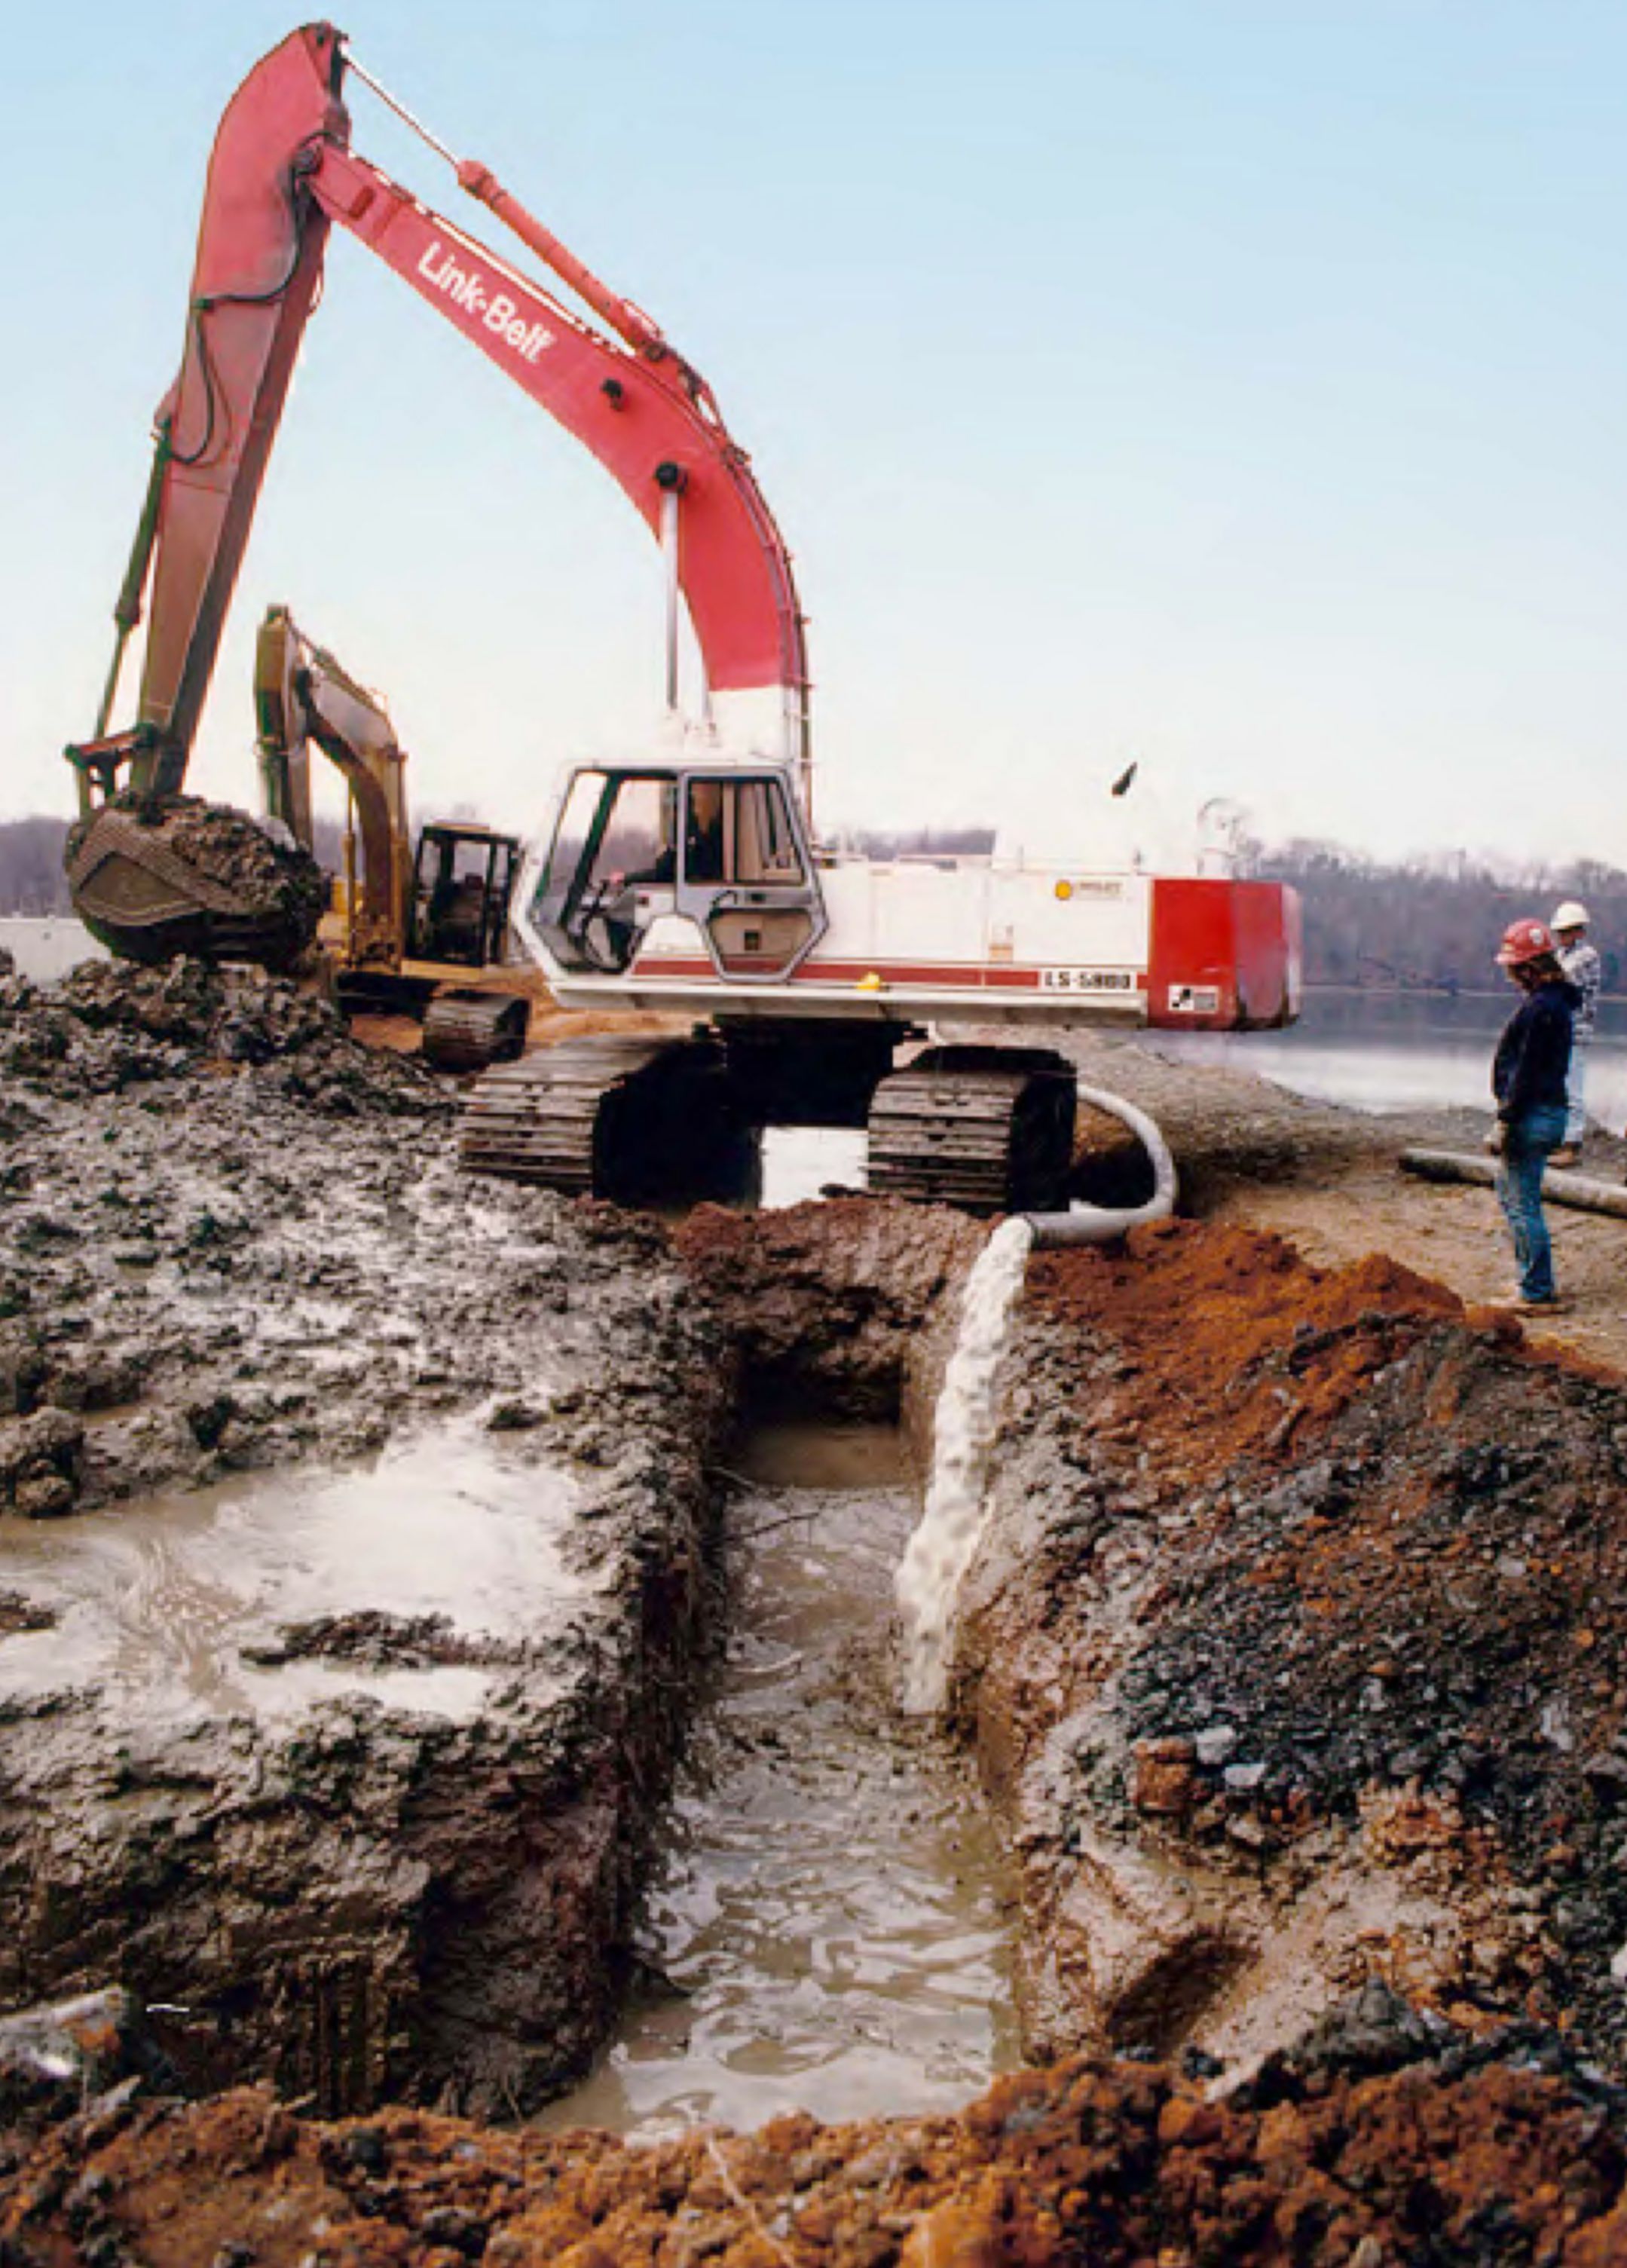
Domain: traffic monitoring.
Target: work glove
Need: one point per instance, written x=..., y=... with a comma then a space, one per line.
x=1496, y=1141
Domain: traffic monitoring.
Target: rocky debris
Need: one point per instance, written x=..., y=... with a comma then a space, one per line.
x=1298, y=1652
x=41, y=1460
x=1466, y=2156
x=18, y=1613
x=374, y=1640
x=111, y=1024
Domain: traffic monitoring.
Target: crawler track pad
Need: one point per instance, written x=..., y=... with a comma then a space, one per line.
x=990, y=1129
x=633, y=1120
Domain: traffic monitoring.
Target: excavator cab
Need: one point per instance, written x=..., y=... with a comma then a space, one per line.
x=463, y=882
x=723, y=847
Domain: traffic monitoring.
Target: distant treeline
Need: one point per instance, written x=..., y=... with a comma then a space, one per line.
x=1434, y=924
x=1428, y=925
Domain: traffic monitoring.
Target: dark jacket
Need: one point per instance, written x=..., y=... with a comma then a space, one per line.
x=1534, y=1054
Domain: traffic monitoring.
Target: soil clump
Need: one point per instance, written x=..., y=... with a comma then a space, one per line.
x=1373, y=2142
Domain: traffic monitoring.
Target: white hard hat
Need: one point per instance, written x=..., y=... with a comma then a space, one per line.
x=1569, y=916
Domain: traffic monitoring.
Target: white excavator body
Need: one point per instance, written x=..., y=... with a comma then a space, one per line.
x=695, y=888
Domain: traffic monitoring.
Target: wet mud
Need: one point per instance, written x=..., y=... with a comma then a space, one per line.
x=345, y=1750
x=826, y=1925
x=360, y=1567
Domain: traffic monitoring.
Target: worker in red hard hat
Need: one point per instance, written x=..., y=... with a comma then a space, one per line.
x=1580, y=962
x=1528, y=1078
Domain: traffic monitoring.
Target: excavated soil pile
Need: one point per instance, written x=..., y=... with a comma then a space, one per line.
x=1374, y=2143
x=111, y=1024
x=1210, y=1322
x=1305, y=1600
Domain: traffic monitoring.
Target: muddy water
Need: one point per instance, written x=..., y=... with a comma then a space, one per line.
x=174, y=1603
x=826, y=1930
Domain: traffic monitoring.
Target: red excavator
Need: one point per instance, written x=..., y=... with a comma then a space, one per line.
x=689, y=877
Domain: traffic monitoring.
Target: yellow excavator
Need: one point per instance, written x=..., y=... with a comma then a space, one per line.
x=407, y=917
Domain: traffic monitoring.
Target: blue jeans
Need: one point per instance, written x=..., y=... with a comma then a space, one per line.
x=1527, y=1141
x=1576, y=1121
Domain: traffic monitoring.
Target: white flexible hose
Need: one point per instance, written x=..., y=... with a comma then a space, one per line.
x=1088, y=1224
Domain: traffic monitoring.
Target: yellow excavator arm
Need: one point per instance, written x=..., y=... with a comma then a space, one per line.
x=302, y=695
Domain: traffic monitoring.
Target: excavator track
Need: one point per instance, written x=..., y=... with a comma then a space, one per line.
x=630, y=1119
x=468, y=1030
x=990, y=1129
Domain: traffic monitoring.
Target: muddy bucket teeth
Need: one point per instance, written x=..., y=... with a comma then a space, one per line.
x=197, y=879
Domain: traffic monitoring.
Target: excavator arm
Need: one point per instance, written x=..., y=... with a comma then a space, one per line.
x=259, y=265
x=302, y=694
x=648, y=417
x=282, y=172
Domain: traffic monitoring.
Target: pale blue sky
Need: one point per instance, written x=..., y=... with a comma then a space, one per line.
x=1234, y=384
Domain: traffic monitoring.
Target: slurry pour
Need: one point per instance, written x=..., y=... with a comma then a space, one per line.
x=940, y=1550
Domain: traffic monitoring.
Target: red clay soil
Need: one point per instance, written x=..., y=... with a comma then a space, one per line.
x=1201, y=1310
x=1117, y=2165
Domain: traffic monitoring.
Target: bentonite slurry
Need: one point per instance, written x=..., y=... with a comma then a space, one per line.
x=940, y=1550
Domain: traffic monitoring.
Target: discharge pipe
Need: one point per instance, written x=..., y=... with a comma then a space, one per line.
x=1088, y=1224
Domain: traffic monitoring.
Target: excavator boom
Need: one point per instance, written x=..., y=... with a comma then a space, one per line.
x=282, y=172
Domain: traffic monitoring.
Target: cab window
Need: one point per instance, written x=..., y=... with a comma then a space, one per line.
x=639, y=841
x=739, y=831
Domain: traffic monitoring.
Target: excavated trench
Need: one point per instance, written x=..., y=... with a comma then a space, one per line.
x=826, y=1927
x=1293, y=1661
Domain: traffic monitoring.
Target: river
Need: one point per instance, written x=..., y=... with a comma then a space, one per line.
x=1403, y=1051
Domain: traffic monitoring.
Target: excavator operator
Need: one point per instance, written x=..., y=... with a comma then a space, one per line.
x=703, y=835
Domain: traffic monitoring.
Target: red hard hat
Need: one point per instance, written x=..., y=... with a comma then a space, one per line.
x=1523, y=941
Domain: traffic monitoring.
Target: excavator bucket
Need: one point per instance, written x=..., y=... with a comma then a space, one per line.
x=190, y=877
